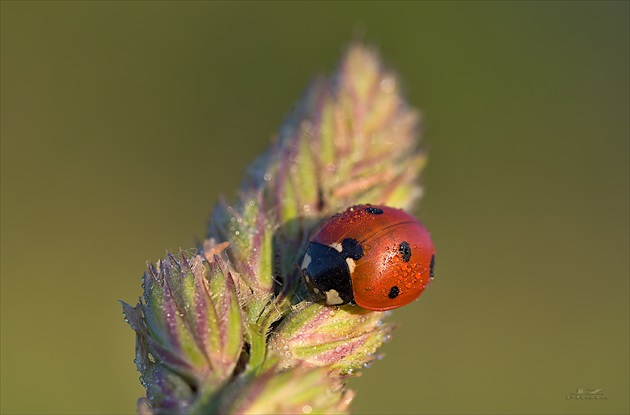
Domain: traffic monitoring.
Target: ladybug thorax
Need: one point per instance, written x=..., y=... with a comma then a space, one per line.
x=327, y=270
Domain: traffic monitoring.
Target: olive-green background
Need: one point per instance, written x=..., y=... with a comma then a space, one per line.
x=123, y=122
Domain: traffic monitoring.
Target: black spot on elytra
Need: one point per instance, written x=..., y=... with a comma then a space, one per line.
x=350, y=248
x=374, y=211
x=432, y=266
x=405, y=250
x=393, y=292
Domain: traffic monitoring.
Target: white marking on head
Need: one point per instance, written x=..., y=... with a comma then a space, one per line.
x=316, y=290
x=306, y=262
x=351, y=264
x=332, y=298
x=337, y=246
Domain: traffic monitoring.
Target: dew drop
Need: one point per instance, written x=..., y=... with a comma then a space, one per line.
x=388, y=84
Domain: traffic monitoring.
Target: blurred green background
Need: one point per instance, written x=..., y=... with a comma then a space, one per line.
x=123, y=122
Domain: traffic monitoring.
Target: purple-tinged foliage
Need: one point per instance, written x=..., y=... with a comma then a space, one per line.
x=230, y=328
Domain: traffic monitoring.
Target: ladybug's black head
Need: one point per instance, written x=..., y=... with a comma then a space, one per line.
x=327, y=273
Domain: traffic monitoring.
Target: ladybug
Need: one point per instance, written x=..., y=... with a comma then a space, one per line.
x=375, y=256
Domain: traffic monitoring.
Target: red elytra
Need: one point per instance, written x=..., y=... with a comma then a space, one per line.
x=375, y=256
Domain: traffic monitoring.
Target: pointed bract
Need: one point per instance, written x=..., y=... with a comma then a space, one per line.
x=189, y=327
x=342, y=338
x=294, y=391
